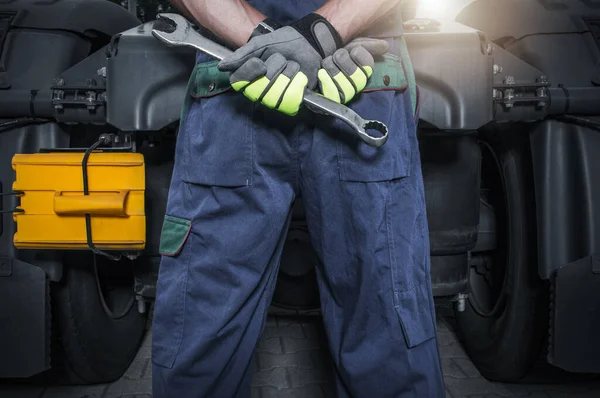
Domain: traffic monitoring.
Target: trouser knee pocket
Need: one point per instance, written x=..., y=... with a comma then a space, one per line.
x=169, y=307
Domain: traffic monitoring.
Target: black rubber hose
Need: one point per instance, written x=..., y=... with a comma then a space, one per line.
x=582, y=121
x=574, y=101
x=21, y=122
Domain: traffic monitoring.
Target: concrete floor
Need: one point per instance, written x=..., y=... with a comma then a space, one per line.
x=290, y=363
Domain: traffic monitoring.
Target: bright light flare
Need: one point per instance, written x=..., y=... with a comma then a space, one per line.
x=440, y=10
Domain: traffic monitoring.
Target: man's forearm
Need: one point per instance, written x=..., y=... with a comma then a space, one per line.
x=350, y=17
x=230, y=20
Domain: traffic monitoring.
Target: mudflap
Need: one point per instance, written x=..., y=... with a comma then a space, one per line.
x=575, y=316
x=25, y=319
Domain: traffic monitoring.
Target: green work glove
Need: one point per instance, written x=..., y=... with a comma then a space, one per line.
x=277, y=83
x=345, y=73
x=306, y=42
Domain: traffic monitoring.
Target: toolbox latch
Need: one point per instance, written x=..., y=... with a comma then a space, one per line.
x=105, y=204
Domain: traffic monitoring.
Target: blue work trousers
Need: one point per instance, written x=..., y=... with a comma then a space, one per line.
x=238, y=169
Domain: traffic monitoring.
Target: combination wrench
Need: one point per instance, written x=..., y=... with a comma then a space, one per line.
x=185, y=35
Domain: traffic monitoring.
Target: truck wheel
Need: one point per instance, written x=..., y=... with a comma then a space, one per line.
x=504, y=323
x=98, y=329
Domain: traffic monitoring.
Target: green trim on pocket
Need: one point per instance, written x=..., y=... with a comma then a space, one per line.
x=209, y=80
x=173, y=235
x=388, y=74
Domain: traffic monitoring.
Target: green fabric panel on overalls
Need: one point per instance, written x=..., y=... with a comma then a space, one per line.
x=388, y=74
x=174, y=233
x=391, y=72
x=208, y=80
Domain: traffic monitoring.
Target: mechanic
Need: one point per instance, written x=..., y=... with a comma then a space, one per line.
x=246, y=150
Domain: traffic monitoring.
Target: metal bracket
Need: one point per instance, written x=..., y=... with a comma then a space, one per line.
x=121, y=142
x=89, y=95
x=511, y=93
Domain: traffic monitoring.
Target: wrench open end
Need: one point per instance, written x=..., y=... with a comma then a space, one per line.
x=171, y=29
x=376, y=125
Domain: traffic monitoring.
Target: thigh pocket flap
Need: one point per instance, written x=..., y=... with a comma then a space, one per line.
x=217, y=143
x=414, y=311
x=173, y=235
x=383, y=99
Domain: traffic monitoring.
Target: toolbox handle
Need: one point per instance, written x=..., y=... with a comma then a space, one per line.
x=105, y=204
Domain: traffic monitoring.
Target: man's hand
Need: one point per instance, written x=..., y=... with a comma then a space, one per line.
x=307, y=42
x=310, y=48
x=274, y=68
x=277, y=83
x=345, y=73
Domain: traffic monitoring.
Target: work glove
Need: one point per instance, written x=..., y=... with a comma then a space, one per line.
x=306, y=41
x=278, y=81
x=345, y=73
x=265, y=26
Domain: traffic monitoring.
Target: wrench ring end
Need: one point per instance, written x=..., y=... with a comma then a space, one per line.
x=378, y=126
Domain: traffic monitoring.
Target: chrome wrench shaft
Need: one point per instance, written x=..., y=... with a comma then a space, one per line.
x=185, y=35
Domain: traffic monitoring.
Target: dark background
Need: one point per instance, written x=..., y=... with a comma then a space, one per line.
x=146, y=10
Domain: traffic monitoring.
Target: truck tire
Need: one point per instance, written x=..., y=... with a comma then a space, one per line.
x=296, y=287
x=89, y=345
x=504, y=338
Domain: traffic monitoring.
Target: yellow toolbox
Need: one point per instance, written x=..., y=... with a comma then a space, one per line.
x=52, y=213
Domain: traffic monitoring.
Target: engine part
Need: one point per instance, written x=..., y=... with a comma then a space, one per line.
x=152, y=100
x=575, y=316
x=454, y=94
x=565, y=192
